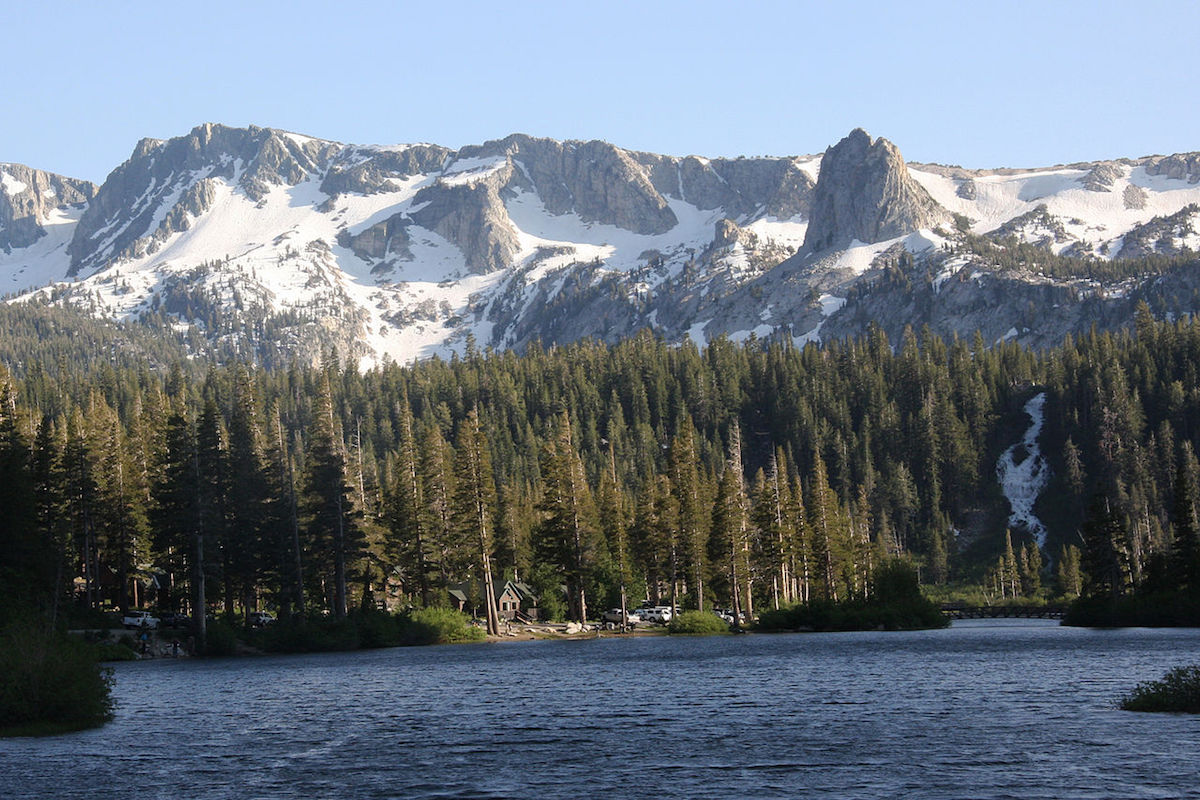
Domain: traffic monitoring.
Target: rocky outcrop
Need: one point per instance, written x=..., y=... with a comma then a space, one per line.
x=1161, y=235
x=864, y=192
x=1037, y=227
x=1102, y=176
x=726, y=233
x=596, y=180
x=743, y=187
x=1181, y=166
x=1134, y=197
x=471, y=216
x=370, y=171
x=27, y=198
x=385, y=242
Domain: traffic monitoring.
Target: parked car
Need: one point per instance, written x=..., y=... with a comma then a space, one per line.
x=613, y=615
x=257, y=619
x=173, y=620
x=659, y=614
x=135, y=620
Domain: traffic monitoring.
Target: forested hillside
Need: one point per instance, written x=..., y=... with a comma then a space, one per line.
x=748, y=474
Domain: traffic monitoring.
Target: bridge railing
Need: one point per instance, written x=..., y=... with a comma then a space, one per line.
x=962, y=611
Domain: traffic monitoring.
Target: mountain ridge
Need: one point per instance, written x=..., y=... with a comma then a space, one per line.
x=406, y=251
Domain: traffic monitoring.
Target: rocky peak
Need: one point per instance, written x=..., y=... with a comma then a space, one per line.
x=151, y=195
x=864, y=192
x=28, y=197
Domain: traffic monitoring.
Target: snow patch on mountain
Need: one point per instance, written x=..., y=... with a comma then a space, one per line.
x=1023, y=480
x=11, y=186
x=830, y=305
x=45, y=261
x=1099, y=218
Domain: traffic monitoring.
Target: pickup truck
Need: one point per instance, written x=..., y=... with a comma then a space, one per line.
x=135, y=620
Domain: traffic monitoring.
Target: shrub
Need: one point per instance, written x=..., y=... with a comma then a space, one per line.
x=1154, y=610
x=114, y=651
x=49, y=682
x=697, y=623
x=308, y=635
x=220, y=639
x=896, y=603
x=1178, y=691
x=439, y=626
x=376, y=629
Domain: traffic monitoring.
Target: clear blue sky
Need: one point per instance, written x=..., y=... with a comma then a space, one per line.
x=971, y=83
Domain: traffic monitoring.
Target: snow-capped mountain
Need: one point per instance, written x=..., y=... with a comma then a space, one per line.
x=407, y=251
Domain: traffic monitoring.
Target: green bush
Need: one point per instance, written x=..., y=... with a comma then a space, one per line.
x=114, y=651
x=363, y=629
x=1178, y=691
x=697, y=623
x=1153, y=610
x=309, y=635
x=896, y=603
x=220, y=639
x=49, y=682
x=376, y=629
x=439, y=626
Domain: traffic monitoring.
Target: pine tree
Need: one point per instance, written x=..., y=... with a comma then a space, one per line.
x=212, y=471
x=178, y=513
x=1031, y=569
x=282, y=544
x=408, y=537
x=121, y=516
x=474, y=504
x=826, y=525
x=26, y=556
x=333, y=530
x=450, y=550
x=568, y=536
x=248, y=532
x=690, y=501
x=613, y=510
x=1185, y=548
x=1010, y=574
x=1070, y=582
x=1103, y=557
x=730, y=529
x=51, y=563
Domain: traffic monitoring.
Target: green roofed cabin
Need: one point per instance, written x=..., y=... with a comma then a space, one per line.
x=516, y=601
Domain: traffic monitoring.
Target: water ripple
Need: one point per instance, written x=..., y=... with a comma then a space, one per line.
x=987, y=710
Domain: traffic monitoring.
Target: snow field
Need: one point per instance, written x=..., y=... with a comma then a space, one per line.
x=1095, y=217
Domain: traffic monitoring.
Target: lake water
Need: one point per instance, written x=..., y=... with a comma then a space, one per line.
x=985, y=709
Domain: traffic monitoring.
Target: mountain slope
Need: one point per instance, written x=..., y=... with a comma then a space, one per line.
x=257, y=239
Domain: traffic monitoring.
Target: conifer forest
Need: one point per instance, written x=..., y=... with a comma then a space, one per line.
x=744, y=476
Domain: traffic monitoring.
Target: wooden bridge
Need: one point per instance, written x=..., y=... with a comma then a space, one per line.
x=962, y=611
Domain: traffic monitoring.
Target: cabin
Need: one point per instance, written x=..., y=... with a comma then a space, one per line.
x=516, y=601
